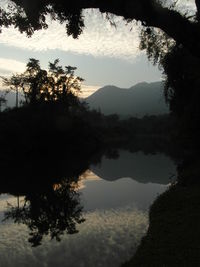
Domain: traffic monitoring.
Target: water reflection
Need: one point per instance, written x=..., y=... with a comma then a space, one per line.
x=105, y=217
x=141, y=167
x=101, y=194
x=106, y=238
x=51, y=212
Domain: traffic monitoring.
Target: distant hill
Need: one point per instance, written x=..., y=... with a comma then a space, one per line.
x=139, y=100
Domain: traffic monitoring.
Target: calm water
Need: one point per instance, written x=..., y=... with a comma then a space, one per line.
x=115, y=196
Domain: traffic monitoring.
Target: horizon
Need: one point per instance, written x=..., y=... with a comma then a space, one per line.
x=87, y=91
x=103, y=54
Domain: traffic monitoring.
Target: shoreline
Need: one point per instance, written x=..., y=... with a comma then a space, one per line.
x=173, y=235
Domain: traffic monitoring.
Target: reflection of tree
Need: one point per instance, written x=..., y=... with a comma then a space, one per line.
x=53, y=211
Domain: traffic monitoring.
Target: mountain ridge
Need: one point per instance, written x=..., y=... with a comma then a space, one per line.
x=138, y=100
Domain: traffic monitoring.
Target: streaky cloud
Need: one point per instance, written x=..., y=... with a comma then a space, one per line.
x=9, y=66
x=99, y=38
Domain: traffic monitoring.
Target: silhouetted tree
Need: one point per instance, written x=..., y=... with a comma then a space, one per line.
x=62, y=85
x=14, y=83
x=2, y=102
x=181, y=73
x=38, y=85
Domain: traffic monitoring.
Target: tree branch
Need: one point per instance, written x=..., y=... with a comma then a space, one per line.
x=197, y=2
x=149, y=12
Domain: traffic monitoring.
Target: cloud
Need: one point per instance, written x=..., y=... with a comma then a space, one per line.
x=87, y=90
x=8, y=66
x=99, y=38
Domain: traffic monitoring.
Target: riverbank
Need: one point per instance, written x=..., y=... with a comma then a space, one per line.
x=174, y=232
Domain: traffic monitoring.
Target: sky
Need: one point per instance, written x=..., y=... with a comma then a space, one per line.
x=103, y=54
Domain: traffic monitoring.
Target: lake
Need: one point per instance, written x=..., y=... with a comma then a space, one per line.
x=106, y=209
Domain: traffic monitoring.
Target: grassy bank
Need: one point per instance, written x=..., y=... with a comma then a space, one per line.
x=173, y=238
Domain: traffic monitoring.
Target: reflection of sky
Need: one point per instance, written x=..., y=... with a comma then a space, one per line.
x=113, y=228
x=107, y=238
x=101, y=194
x=116, y=214
x=4, y=200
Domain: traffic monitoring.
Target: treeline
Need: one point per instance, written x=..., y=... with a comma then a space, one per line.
x=52, y=117
x=51, y=126
x=111, y=126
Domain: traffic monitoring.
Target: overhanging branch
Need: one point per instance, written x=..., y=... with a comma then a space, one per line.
x=150, y=12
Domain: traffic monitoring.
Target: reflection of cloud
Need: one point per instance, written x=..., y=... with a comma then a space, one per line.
x=5, y=199
x=107, y=238
x=98, y=39
x=5, y=202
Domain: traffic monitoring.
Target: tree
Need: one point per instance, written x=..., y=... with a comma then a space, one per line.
x=181, y=72
x=14, y=83
x=179, y=66
x=39, y=86
x=31, y=16
x=63, y=85
x=2, y=101
x=33, y=80
x=167, y=30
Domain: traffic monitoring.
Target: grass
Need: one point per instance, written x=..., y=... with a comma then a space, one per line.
x=173, y=237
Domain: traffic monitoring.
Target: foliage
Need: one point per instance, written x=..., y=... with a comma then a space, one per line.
x=181, y=69
x=156, y=43
x=38, y=85
x=182, y=80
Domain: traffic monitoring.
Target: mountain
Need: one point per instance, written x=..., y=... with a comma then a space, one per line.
x=139, y=100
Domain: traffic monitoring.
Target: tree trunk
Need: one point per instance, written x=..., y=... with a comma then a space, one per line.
x=17, y=96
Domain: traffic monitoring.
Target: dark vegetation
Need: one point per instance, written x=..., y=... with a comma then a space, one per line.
x=174, y=49
x=51, y=138
x=52, y=118
x=173, y=234
x=171, y=39
x=50, y=127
